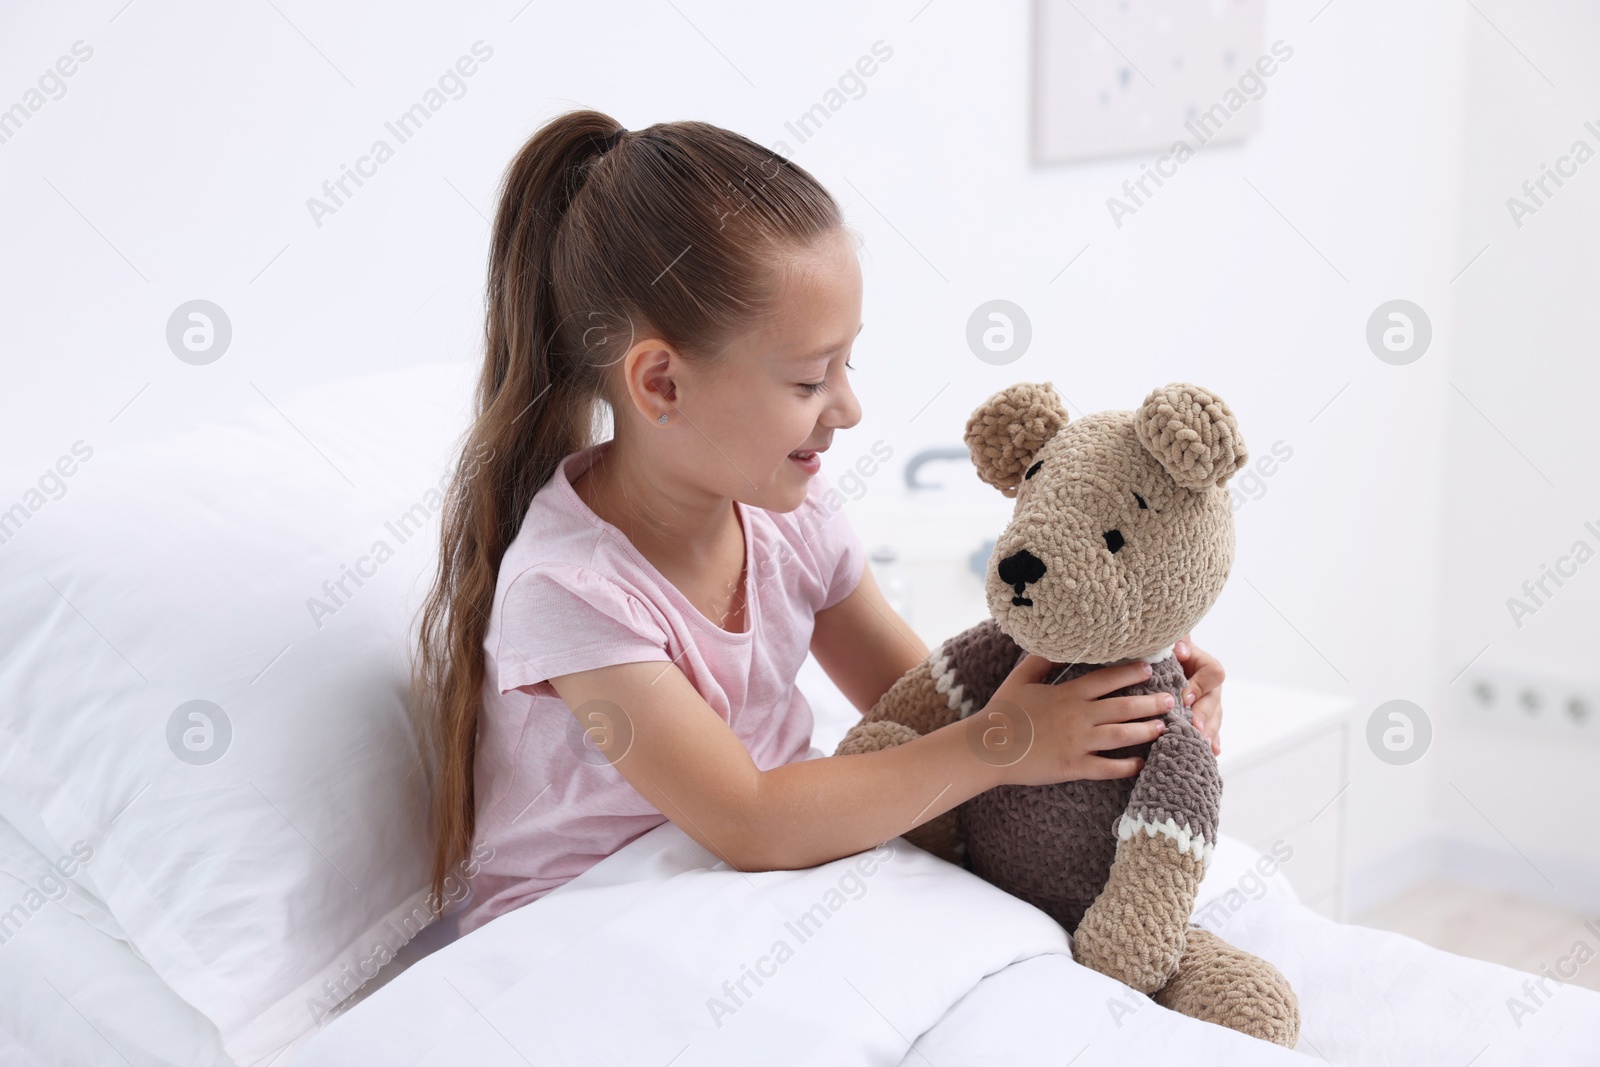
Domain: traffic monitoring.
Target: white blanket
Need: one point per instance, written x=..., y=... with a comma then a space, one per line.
x=619, y=963
x=1367, y=997
x=661, y=954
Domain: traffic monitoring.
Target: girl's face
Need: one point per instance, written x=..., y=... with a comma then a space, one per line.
x=782, y=388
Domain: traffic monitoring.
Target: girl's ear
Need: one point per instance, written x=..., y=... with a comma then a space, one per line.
x=648, y=376
x=1010, y=428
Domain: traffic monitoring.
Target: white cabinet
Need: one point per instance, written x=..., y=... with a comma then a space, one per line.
x=1285, y=773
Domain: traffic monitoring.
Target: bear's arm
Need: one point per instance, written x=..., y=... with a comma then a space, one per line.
x=956, y=679
x=1136, y=928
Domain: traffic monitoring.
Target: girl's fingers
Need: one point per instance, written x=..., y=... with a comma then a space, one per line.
x=1206, y=676
x=1127, y=734
x=1201, y=667
x=1208, y=719
x=1097, y=683
x=1122, y=709
x=1202, y=692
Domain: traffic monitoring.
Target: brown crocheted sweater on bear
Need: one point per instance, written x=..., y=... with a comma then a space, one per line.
x=1053, y=845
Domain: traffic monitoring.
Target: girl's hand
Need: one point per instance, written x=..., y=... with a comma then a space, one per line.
x=1203, y=693
x=1037, y=734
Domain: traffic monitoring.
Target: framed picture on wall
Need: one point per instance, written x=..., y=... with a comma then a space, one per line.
x=1121, y=77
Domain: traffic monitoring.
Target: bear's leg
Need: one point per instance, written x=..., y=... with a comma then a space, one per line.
x=1134, y=930
x=940, y=835
x=1217, y=983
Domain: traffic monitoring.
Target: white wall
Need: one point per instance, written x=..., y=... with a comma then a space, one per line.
x=1515, y=806
x=179, y=163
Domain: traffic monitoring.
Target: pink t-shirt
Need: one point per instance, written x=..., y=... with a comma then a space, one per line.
x=574, y=594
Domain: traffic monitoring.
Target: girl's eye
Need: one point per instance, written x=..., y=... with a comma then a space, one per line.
x=813, y=388
x=1033, y=470
x=1140, y=499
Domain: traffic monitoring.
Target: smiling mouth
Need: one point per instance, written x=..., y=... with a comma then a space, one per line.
x=807, y=453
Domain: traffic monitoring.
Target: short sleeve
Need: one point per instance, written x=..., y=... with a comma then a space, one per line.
x=560, y=619
x=839, y=549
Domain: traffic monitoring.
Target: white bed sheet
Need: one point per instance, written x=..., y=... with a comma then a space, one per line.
x=1367, y=997
x=635, y=961
x=606, y=964
x=929, y=965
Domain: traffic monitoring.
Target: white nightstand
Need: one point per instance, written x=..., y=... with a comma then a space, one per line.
x=1285, y=772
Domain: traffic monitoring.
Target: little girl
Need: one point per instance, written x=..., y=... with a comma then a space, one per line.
x=615, y=626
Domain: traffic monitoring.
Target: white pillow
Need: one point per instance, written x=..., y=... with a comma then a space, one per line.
x=265, y=885
x=69, y=993
x=30, y=855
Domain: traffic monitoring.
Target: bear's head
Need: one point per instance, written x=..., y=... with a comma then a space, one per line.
x=1122, y=536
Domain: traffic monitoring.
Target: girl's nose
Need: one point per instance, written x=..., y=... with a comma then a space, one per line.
x=848, y=408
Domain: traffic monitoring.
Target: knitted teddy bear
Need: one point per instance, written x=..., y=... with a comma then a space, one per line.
x=1120, y=542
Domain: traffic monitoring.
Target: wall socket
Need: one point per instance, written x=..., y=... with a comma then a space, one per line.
x=1569, y=707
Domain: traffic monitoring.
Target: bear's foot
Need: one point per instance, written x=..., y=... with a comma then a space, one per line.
x=1217, y=983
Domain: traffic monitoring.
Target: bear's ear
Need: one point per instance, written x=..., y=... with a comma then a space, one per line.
x=1010, y=428
x=1193, y=434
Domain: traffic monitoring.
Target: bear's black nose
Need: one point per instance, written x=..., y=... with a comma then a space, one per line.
x=1113, y=540
x=1017, y=570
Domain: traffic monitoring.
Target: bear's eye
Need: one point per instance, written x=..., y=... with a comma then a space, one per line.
x=1033, y=470
x=1140, y=499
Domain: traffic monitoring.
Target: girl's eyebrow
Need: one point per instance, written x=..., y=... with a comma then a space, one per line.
x=835, y=348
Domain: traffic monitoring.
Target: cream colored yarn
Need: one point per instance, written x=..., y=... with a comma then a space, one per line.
x=1120, y=541
x=1193, y=433
x=1009, y=428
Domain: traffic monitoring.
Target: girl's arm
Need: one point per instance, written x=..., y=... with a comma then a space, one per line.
x=658, y=731
x=864, y=645
x=667, y=742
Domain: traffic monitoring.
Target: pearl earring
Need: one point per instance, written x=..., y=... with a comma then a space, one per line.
x=663, y=418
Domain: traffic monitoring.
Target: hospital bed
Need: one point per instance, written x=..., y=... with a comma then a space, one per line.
x=209, y=815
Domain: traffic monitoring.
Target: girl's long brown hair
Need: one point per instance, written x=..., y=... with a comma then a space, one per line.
x=601, y=237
